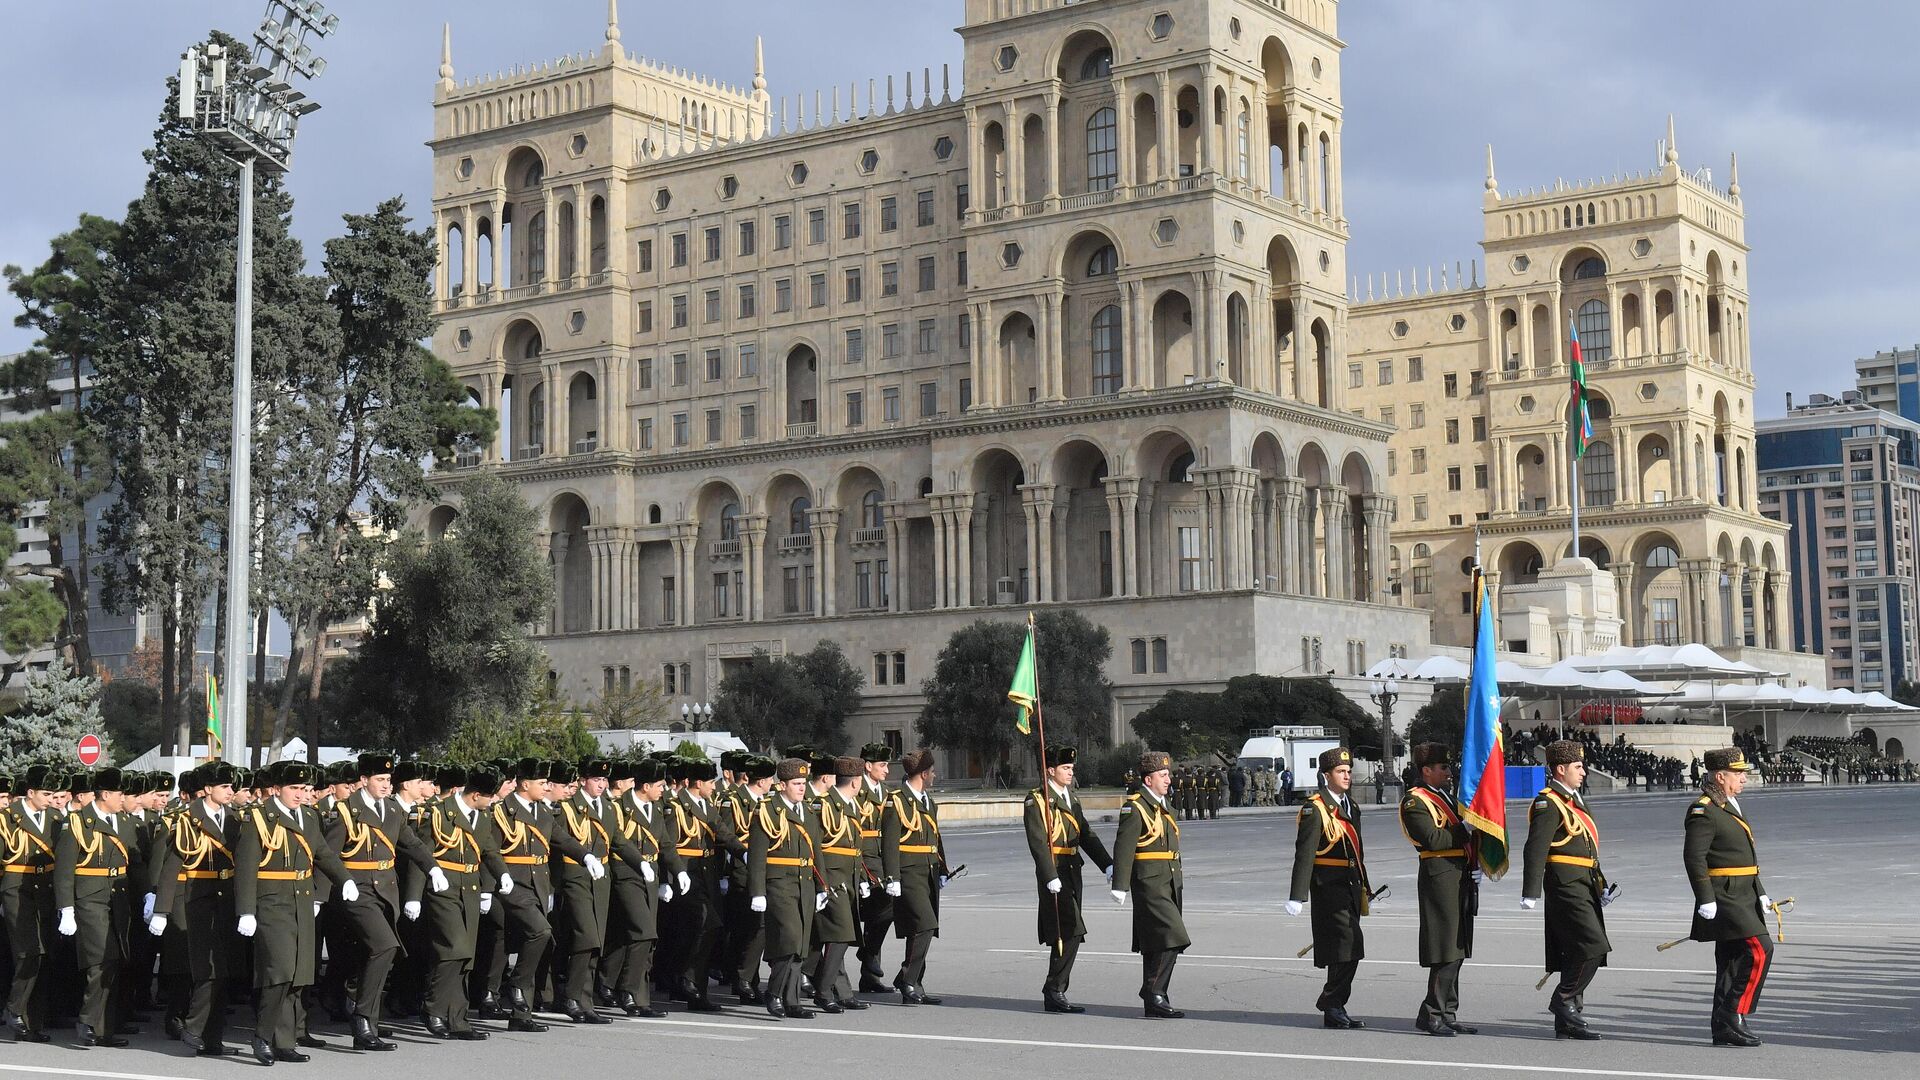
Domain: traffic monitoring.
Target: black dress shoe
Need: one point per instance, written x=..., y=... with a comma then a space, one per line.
x=603, y=995
x=1058, y=1003
x=644, y=1012
x=1432, y=1025
x=469, y=1035
x=175, y=1027
x=871, y=985
x=777, y=1011
x=851, y=1004
x=1740, y=1025
x=1576, y=1032
x=492, y=1011
x=308, y=1042
x=585, y=1016
x=437, y=1028
x=113, y=1042
x=1159, y=1008
x=1337, y=1020
x=1462, y=1029
x=294, y=1056
x=515, y=1023
x=216, y=1051
x=703, y=1005
x=262, y=1052
x=1727, y=1036
x=83, y=1034
x=831, y=1008
x=366, y=1037
x=33, y=1035
x=795, y=1012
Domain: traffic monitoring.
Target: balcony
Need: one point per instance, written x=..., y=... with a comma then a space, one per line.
x=797, y=544
x=724, y=549
x=804, y=430
x=864, y=537
x=587, y=445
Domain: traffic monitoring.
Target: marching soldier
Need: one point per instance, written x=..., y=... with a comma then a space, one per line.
x=1730, y=903
x=280, y=848
x=1057, y=830
x=1563, y=863
x=193, y=910
x=784, y=884
x=836, y=927
x=519, y=832
x=913, y=858
x=1449, y=887
x=1330, y=870
x=92, y=860
x=876, y=907
x=584, y=888
x=698, y=896
x=472, y=867
x=1146, y=869
x=745, y=929
x=634, y=920
x=30, y=835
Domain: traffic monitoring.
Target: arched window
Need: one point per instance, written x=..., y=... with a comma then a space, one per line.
x=536, y=172
x=1422, y=570
x=872, y=514
x=797, y=516
x=1326, y=175
x=730, y=521
x=1597, y=475
x=1595, y=326
x=537, y=247
x=1097, y=65
x=1103, y=153
x=1103, y=262
x=1589, y=268
x=1244, y=130
x=1662, y=557
x=1181, y=470
x=1108, y=365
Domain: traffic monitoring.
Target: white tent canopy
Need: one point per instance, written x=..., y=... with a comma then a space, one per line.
x=1691, y=661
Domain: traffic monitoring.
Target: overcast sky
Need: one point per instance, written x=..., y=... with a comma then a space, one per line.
x=1820, y=114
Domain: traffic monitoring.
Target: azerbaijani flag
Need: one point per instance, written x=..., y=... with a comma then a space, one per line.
x=1483, y=756
x=1025, y=691
x=215, y=744
x=1583, y=420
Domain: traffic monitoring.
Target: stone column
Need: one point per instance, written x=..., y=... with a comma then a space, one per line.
x=1629, y=612
x=963, y=524
x=896, y=524
x=1145, y=552
x=1781, y=619
x=1036, y=570
x=600, y=571
x=1123, y=128
x=1334, y=504
x=1626, y=463
x=469, y=257
x=1119, y=551
x=1216, y=325
x=824, y=523
x=1055, y=305
x=1682, y=461
x=497, y=248
x=976, y=168
x=557, y=546
x=1208, y=154
x=1557, y=465
x=1213, y=547
x=753, y=541
x=1015, y=124
x=442, y=273
x=1376, y=512
x=685, y=536
x=1139, y=359
x=1164, y=108
x=550, y=236
x=583, y=236
x=1290, y=491
x=1297, y=369
x=1260, y=354
x=1737, y=592
x=1053, y=148
x=1336, y=176
x=942, y=553
x=1262, y=532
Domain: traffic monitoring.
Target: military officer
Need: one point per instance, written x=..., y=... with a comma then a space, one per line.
x=836, y=927
x=280, y=849
x=698, y=898
x=518, y=829
x=584, y=888
x=1057, y=833
x=473, y=867
x=1146, y=870
x=96, y=852
x=1449, y=887
x=193, y=909
x=1330, y=870
x=1730, y=903
x=784, y=883
x=876, y=907
x=1563, y=864
x=745, y=930
x=634, y=921
x=31, y=834
x=913, y=860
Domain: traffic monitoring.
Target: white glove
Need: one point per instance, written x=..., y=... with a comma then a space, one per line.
x=666, y=892
x=157, y=925
x=1766, y=902
x=1109, y=875
x=866, y=890
x=943, y=881
x=437, y=878
x=757, y=904
x=821, y=900
x=486, y=902
x=594, y=870
x=1607, y=897
x=317, y=905
x=1054, y=886
x=350, y=891
x=725, y=883
x=1527, y=902
x=248, y=924
x=893, y=888
x=69, y=924
x=1708, y=910
x=684, y=882
x=411, y=909
x=647, y=874
x=146, y=906
x=506, y=884
x=1295, y=907
x=1478, y=877
x=550, y=899
x=1118, y=897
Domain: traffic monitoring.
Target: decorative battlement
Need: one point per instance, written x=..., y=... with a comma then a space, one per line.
x=1662, y=191
x=1322, y=15
x=789, y=115
x=1401, y=285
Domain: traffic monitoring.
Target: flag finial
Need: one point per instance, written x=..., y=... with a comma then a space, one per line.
x=1493, y=185
x=1673, y=144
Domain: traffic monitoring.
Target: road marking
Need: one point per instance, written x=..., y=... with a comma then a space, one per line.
x=47, y=1070
x=1258, y=1055
x=1396, y=963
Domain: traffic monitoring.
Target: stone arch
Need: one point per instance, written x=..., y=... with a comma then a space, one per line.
x=1002, y=556
x=1314, y=470
x=453, y=255
x=1578, y=264
x=1356, y=475
x=1073, y=260
x=1320, y=379
x=583, y=413
x=511, y=172
x=1174, y=554
x=1282, y=275
x=1080, y=553
x=1017, y=346
x=1175, y=350
x=1092, y=314
x=440, y=519
x=1655, y=469
x=1080, y=44
x=788, y=557
x=1268, y=455
x=1533, y=477
x=803, y=384
x=568, y=520
x=861, y=570
x=1658, y=611
x=1520, y=563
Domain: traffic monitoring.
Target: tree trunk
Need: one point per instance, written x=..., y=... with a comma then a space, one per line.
x=283, y=716
x=219, y=667
x=77, y=582
x=256, y=731
x=168, y=702
x=189, y=652
x=316, y=670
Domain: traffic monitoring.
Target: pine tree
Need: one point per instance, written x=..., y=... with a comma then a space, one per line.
x=60, y=705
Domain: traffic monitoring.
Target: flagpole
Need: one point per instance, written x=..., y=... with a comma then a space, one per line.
x=1573, y=459
x=1046, y=797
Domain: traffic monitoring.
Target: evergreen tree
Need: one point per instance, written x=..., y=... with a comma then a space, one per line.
x=966, y=697
x=59, y=706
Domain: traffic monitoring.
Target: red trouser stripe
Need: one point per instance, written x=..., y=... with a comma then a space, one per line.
x=1754, y=975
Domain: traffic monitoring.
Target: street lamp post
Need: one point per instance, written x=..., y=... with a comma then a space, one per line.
x=246, y=107
x=1384, y=693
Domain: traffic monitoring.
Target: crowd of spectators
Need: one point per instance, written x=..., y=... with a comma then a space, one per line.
x=1852, y=760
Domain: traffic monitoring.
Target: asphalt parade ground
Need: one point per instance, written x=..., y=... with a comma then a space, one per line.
x=1841, y=1001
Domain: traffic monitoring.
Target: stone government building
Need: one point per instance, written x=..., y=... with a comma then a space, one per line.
x=778, y=370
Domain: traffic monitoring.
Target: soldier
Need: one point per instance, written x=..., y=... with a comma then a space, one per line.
x=837, y=925
x=1563, y=860
x=1057, y=831
x=698, y=900
x=1146, y=869
x=1449, y=887
x=1730, y=903
x=193, y=909
x=876, y=907
x=472, y=865
x=520, y=833
x=370, y=832
x=280, y=849
x=913, y=860
x=1329, y=868
x=30, y=836
x=745, y=932
x=96, y=852
x=634, y=920
x=784, y=884
x=585, y=891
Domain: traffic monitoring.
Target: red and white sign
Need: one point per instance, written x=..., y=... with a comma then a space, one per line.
x=89, y=749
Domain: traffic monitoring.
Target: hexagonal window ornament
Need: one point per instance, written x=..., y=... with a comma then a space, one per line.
x=869, y=161
x=1521, y=263
x=578, y=145
x=1161, y=26
x=465, y=168
x=1006, y=58
x=1166, y=230
x=1526, y=403
x=1400, y=328
x=464, y=337
x=1648, y=391
x=662, y=199
x=1010, y=255
x=943, y=148
x=799, y=173
x=729, y=186
x=577, y=321
x=1457, y=323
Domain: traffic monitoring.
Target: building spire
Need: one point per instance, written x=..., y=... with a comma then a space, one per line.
x=1493, y=185
x=1733, y=178
x=613, y=48
x=759, y=66
x=446, y=56
x=1673, y=144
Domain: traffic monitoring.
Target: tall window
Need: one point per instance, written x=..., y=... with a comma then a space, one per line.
x=1190, y=577
x=730, y=521
x=1245, y=136
x=1666, y=620
x=1326, y=175
x=872, y=516
x=1103, y=154
x=1103, y=262
x=797, y=516
x=1596, y=331
x=1097, y=65
x=1107, y=362
x=1597, y=475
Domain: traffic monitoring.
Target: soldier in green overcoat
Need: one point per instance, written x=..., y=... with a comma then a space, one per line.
x=836, y=927
x=29, y=832
x=456, y=828
x=876, y=907
x=1330, y=870
x=96, y=853
x=1449, y=886
x=1563, y=864
x=1059, y=839
x=913, y=861
x=1730, y=903
x=784, y=883
x=1146, y=871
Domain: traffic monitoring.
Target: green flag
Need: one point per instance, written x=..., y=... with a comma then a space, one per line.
x=1025, y=691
